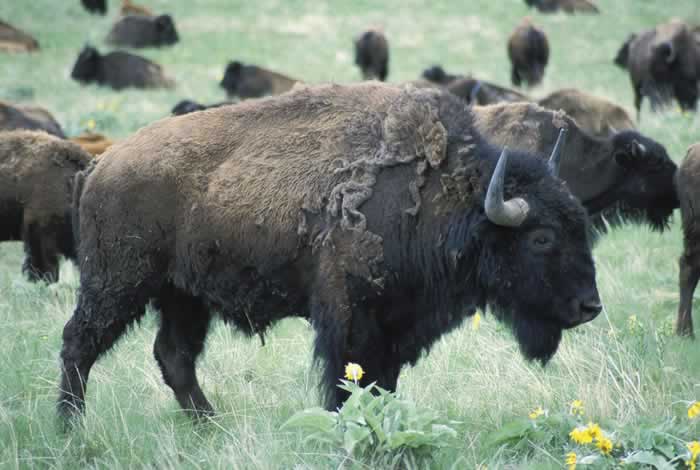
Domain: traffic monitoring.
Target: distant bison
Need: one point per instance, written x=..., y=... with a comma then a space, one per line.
x=16, y=116
x=663, y=63
x=688, y=185
x=597, y=116
x=188, y=106
x=372, y=55
x=95, y=6
x=624, y=177
x=36, y=179
x=528, y=51
x=118, y=70
x=93, y=143
x=251, y=81
x=567, y=6
x=129, y=8
x=480, y=92
x=377, y=212
x=143, y=31
x=437, y=74
x=15, y=40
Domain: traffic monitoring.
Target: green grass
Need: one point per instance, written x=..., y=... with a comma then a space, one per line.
x=474, y=377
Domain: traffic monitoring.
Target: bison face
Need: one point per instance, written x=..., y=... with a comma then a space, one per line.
x=539, y=274
x=165, y=28
x=86, y=67
x=232, y=77
x=647, y=190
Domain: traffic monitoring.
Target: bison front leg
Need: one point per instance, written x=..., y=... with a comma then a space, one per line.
x=688, y=280
x=41, y=253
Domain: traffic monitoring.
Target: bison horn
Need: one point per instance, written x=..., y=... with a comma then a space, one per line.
x=509, y=213
x=474, y=95
x=555, y=157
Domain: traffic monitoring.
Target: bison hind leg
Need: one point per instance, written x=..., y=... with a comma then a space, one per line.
x=180, y=340
x=41, y=253
x=688, y=280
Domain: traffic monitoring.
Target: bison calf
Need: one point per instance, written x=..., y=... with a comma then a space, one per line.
x=16, y=116
x=528, y=50
x=118, y=70
x=143, y=31
x=372, y=55
x=251, y=81
x=36, y=179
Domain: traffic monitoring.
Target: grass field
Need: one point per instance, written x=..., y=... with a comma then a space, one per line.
x=628, y=375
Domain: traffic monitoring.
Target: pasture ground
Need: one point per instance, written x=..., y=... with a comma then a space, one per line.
x=634, y=376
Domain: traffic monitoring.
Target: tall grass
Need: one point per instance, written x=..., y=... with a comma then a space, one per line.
x=478, y=378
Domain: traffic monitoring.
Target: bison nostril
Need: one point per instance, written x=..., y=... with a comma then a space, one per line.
x=590, y=309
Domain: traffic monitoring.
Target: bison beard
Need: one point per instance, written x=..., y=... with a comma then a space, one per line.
x=387, y=221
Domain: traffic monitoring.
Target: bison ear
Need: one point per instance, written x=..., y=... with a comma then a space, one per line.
x=413, y=129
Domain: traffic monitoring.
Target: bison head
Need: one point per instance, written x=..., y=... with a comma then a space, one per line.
x=535, y=259
x=231, y=77
x=87, y=65
x=437, y=74
x=165, y=28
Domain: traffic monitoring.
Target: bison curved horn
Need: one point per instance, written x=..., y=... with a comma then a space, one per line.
x=555, y=157
x=511, y=213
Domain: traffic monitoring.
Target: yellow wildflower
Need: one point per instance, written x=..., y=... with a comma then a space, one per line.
x=594, y=430
x=536, y=413
x=571, y=461
x=694, y=410
x=580, y=435
x=576, y=408
x=694, y=448
x=90, y=124
x=633, y=324
x=476, y=321
x=353, y=372
x=604, y=444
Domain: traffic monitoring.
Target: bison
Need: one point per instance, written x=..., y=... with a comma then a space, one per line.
x=528, y=51
x=377, y=212
x=36, y=178
x=188, y=106
x=663, y=64
x=626, y=177
x=129, y=8
x=251, y=81
x=688, y=186
x=567, y=6
x=437, y=74
x=93, y=143
x=372, y=55
x=15, y=116
x=143, y=31
x=596, y=116
x=479, y=92
x=118, y=70
x=95, y=6
x=16, y=40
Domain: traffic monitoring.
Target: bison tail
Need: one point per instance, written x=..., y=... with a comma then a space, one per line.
x=78, y=184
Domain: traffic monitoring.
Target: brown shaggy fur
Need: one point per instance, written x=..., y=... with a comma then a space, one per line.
x=92, y=143
x=528, y=51
x=688, y=186
x=16, y=116
x=597, y=116
x=15, y=40
x=567, y=6
x=129, y=8
x=36, y=179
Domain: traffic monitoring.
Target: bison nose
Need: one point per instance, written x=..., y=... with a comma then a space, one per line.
x=589, y=309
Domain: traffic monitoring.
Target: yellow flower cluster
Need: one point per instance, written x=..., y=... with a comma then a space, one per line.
x=536, y=413
x=694, y=410
x=476, y=321
x=576, y=408
x=588, y=434
x=571, y=461
x=694, y=448
x=354, y=372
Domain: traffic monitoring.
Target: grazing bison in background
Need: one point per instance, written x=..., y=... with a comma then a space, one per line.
x=372, y=55
x=93, y=143
x=36, y=178
x=376, y=211
x=567, y=6
x=663, y=63
x=596, y=116
x=118, y=70
x=251, y=81
x=688, y=186
x=480, y=92
x=188, y=106
x=129, y=8
x=95, y=6
x=16, y=116
x=624, y=177
x=143, y=31
x=528, y=51
x=16, y=40
x=437, y=74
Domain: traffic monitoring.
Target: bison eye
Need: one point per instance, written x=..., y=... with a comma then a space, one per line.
x=541, y=240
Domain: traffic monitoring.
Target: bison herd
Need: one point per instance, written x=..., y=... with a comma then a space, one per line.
x=385, y=214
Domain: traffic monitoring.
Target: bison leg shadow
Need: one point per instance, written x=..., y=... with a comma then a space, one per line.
x=183, y=330
x=688, y=280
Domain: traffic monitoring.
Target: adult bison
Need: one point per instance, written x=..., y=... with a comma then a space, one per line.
x=438, y=75
x=567, y=6
x=118, y=70
x=597, y=116
x=372, y=55
x=528, y=51
x=663, y=63
x=376, y=211
x=624, y=177
x=36, y=178
x=17, y=116
x=251, y=81
x=143, y=31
